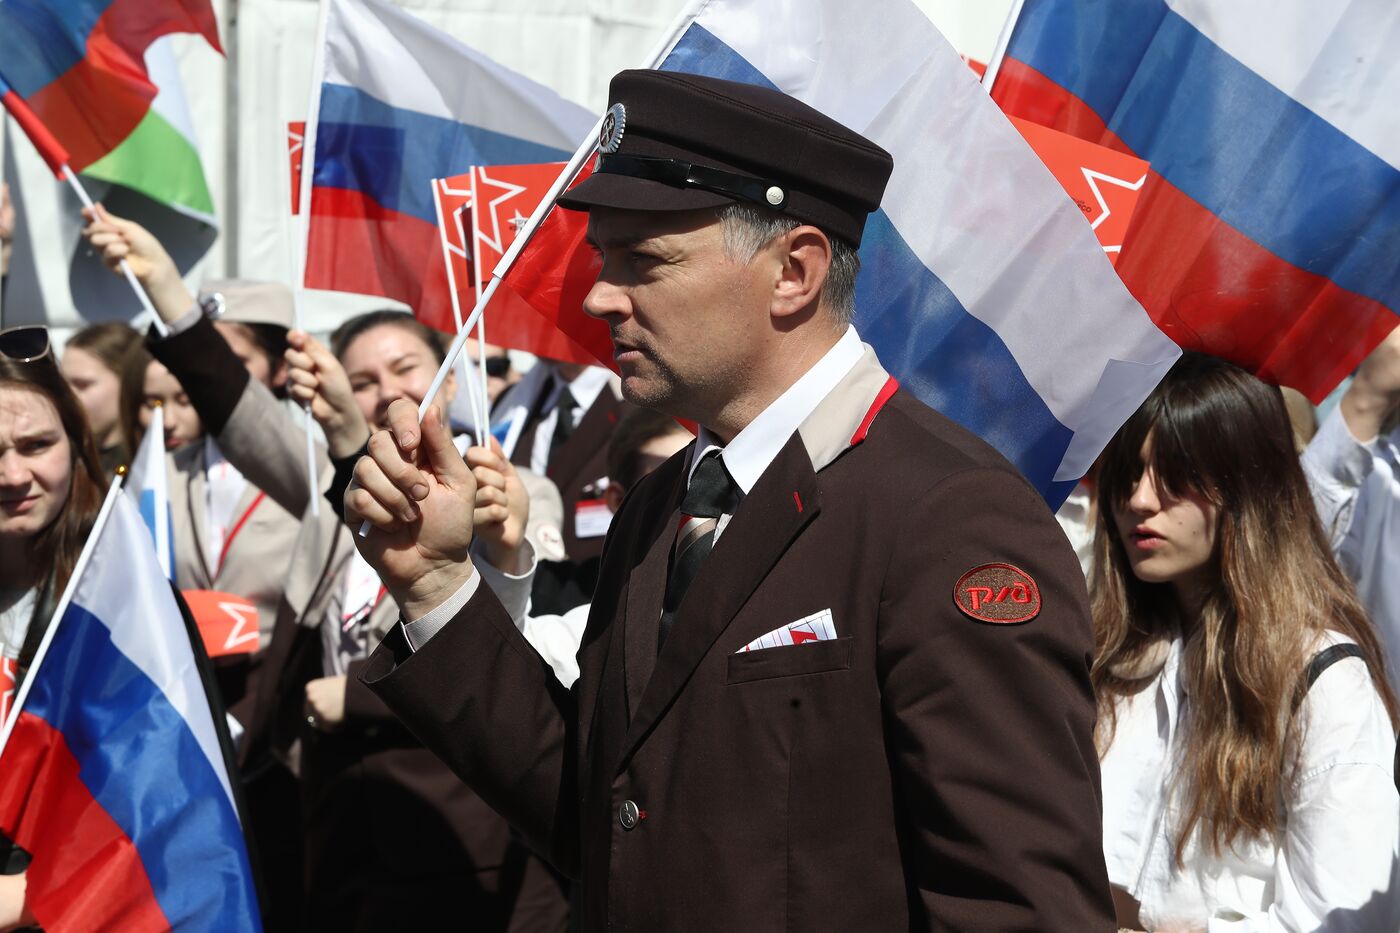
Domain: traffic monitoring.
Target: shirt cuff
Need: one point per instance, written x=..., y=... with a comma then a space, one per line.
x=419, y=631
x=1335, y=453
x=512, y=590
x=182, y=323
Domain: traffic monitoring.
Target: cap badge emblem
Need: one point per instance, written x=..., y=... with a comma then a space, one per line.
x=610, y=133
x=775, y=196
x=213, y=304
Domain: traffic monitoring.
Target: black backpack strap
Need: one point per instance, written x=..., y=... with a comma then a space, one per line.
x=1319, y=663
x=1329, y=656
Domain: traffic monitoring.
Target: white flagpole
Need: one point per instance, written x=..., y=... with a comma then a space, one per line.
x=585, y=150
x=447, y=255
x=989, y=76
x=308, y=143
x=130, y=276
x=162, y=504
x=113, y=492
x=467, y=385
x=476, y=288
x=481, y=370
x=301, y=233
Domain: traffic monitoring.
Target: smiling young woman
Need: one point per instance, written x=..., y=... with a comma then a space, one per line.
x=1234, y=786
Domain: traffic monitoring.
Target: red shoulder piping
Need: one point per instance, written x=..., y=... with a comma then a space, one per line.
x=886, y=391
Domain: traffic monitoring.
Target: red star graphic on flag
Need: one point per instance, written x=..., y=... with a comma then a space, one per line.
x=490, y=195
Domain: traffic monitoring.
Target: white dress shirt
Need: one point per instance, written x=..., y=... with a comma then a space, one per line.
x=14, y=623
x=1356, y=488
x=1074, y=519
x=585, y=389
x=755, y=447
x=1332, y=867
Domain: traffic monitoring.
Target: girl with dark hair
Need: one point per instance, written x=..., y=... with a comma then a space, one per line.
x=145, y=385
x=92, y=364
x=1246, y=726
x=51, y=487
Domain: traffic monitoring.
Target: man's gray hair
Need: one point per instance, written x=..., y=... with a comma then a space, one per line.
x=747, y=229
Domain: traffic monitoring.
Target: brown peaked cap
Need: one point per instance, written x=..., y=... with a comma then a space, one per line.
x=680, y=142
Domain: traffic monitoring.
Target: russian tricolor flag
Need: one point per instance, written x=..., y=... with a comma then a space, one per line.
x=982, y=288
x=1269, y=228
x=399, y=105
x=115, y=779
x=148, y=486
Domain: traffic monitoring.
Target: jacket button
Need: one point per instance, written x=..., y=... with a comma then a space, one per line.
x=628, y=814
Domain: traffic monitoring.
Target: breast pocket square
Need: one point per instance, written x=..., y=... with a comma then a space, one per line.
x=816, y=627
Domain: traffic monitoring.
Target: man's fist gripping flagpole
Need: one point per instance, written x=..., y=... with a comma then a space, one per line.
x=418, y=496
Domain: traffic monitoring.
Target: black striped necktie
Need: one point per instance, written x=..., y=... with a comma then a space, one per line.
x=712, y=493
x=564, y=421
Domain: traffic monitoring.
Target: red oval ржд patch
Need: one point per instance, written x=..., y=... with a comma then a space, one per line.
x=997, y=593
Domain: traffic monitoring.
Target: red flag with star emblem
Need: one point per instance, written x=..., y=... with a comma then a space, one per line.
x=539, y=307
x=1104, y=182
x=451, y=196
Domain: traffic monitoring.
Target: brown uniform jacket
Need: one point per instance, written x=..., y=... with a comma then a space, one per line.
x=920, y=771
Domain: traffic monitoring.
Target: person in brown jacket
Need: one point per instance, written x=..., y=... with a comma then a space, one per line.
x=836, y=671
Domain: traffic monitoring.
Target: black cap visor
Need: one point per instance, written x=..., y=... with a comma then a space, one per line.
x=630, y=193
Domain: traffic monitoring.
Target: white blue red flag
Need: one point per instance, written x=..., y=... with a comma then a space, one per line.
x=1269, y=226
x=400, y=104
x=115, y=780
x=148, y=486
x=982, y=288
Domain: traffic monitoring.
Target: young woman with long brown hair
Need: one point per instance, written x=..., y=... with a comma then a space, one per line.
x=1240, y=793
x=51, y=487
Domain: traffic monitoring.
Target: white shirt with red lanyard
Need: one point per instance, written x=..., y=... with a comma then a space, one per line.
x=224, y=487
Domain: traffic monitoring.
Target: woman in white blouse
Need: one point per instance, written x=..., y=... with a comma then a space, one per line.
x=1246, y=729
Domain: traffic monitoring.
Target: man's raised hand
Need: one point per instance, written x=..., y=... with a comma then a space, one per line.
x=418, y=496
x=1375, y=391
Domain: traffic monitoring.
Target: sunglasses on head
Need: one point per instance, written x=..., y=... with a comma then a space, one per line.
x=25, y=344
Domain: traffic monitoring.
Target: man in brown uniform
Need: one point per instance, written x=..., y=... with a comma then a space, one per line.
x=835, y=676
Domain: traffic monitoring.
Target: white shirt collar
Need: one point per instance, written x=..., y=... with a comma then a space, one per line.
x=585, y=388
x=753, y=448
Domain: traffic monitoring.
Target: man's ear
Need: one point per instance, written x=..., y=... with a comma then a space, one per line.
x=804, y=256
